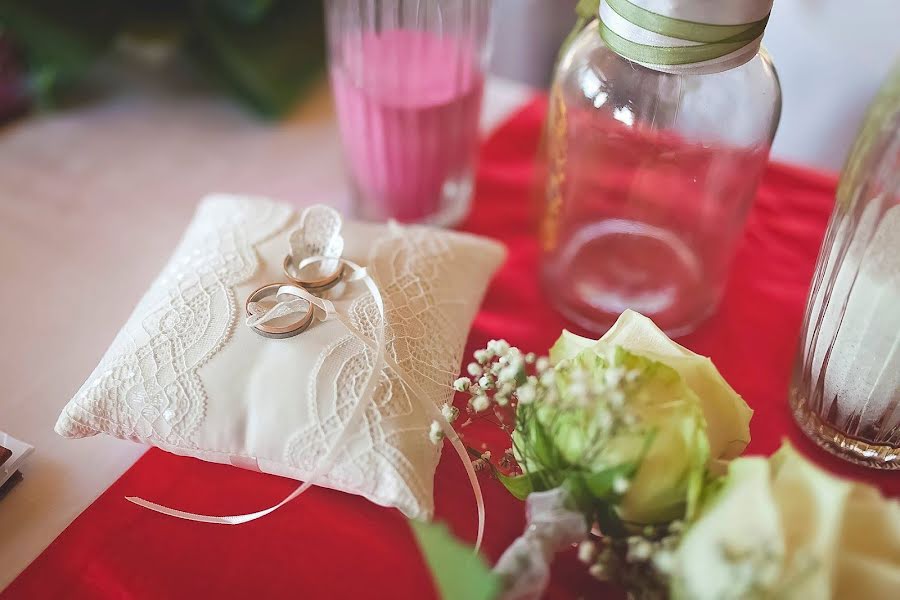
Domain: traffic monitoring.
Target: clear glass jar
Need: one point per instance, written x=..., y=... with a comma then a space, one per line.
x=649, y=180
x=846, y=389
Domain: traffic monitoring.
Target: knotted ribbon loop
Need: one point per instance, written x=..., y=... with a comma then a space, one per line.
x=366, y=398
x=552, y=525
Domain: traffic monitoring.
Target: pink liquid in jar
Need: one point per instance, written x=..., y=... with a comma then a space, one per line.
x=408, y=103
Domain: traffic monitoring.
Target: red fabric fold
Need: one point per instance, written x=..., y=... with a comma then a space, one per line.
x=328, y=544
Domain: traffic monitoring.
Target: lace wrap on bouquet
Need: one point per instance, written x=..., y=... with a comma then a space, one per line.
x=524, y=567
x=146, y=388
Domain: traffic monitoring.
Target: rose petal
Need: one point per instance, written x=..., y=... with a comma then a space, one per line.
x=727, y=415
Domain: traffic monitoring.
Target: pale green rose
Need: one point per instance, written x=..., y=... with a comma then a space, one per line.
x=727, y=415
x=783, y=528
x=666, y=441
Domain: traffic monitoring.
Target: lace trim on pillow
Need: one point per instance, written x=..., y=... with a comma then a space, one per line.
x=150, y=391
x=418, y=275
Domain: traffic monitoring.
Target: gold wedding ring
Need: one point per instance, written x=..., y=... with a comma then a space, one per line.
x=320, y=285
x=273, y=331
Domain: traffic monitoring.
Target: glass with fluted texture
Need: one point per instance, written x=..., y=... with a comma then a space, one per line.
x=408, y=78
x=846, y=389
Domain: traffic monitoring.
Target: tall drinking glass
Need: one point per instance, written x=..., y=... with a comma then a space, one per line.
x=846, y=390
x=408, y=77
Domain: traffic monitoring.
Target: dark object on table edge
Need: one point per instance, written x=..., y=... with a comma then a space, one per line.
x=5, y=454
x=10, y=484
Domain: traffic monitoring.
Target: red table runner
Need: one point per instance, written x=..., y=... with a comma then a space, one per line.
x=328, y=544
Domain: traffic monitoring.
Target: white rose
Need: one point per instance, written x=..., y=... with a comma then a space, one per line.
x=727, y=415
x=783, y=528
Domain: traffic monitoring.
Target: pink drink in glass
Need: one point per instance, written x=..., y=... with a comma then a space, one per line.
x=408, y=103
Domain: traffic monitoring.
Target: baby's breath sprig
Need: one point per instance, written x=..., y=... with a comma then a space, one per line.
x=642, y=562
x=498, y=380
x=504, y=384
x=500, y=377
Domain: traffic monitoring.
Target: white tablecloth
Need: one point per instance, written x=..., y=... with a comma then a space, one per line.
x=92, y=201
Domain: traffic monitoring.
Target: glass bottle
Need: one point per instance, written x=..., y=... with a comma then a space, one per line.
x=649, y=179
x=846, y=388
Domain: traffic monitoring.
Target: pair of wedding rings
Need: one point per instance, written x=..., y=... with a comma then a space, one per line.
x=314, y=286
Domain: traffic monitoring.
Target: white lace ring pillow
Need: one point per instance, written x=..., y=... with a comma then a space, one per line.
x=187, y=375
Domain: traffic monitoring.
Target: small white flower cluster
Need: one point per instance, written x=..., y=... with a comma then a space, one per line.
x=649, y=555
x=756, y=566
x=482, y=462
x=657, y=552
x=503, y=378
x=436, y=432
x=499, y=376
x=611, y=384
x=603, y=393
x=620, y=484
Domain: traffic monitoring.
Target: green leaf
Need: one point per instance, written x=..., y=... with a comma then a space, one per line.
x=268, y=63
x=457, y=570
x=600, y=483
x=544, y=448
x=697, y=478
x=579, y=494
x=609, y=522
x=519, y=486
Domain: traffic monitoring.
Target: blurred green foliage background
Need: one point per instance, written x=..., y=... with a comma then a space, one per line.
x=262, y=51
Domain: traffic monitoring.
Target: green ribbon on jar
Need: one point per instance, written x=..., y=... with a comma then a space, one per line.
x=666, y=40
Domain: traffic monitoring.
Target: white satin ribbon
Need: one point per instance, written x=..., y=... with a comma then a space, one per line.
x=551, y=526
x=358, y=273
